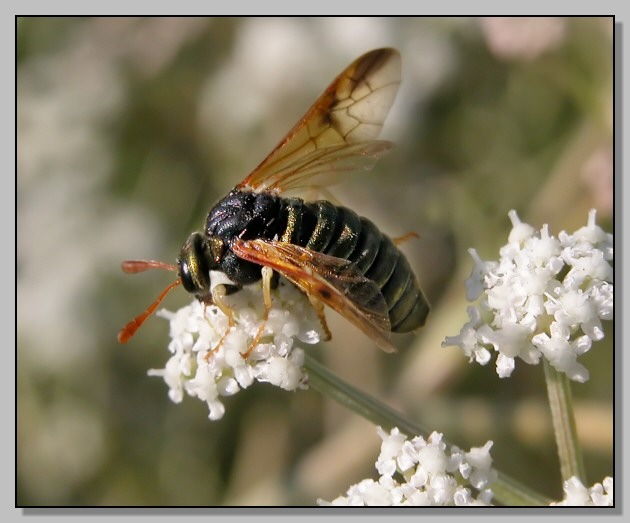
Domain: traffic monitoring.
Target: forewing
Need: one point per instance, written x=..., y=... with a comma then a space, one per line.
x=336, y=282
x=338, y=133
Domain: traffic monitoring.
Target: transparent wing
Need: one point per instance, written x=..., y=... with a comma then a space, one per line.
x=335, y=282
x=338, y=133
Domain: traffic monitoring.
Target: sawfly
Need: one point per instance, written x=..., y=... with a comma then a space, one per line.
x=329, y=252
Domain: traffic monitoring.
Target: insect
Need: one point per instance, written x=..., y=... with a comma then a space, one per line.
x=330, y=253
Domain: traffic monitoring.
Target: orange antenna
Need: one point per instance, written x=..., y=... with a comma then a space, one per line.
x=132, y=267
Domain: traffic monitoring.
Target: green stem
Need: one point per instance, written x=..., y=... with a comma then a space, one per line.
x=506, y=490
x=563, y=419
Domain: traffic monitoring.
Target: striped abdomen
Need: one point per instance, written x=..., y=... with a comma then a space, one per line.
x=340, y=232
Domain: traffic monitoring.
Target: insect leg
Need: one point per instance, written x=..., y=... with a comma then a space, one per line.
x=218, y=345
x=319, y=309
x=218, y=293
x=267, y=275
x=405, y=237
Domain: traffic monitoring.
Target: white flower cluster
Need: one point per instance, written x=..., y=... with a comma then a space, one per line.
x=577, y=495
x=545, y=296
x=431, y=475
x=200, y=369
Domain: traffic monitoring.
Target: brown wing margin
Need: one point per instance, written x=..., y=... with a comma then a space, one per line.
x=338, y=133
x=335, y=282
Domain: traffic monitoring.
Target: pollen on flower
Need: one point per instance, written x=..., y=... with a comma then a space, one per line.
x=207, y=354
x=545, y=297
x=424, y=472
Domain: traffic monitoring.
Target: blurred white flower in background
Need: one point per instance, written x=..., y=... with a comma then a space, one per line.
x=522, y=37
x=545, y=297
x=598, y=174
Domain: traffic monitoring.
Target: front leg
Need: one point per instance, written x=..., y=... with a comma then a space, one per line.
x=218, y=293
x=267, y=276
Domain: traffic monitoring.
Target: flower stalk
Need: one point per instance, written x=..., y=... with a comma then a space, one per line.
x=563, y=420
x=506, y=490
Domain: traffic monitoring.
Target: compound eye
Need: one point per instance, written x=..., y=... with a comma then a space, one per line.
x=184, y=274
x=192, y=266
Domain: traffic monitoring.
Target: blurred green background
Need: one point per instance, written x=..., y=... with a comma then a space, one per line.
x=129, y=129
